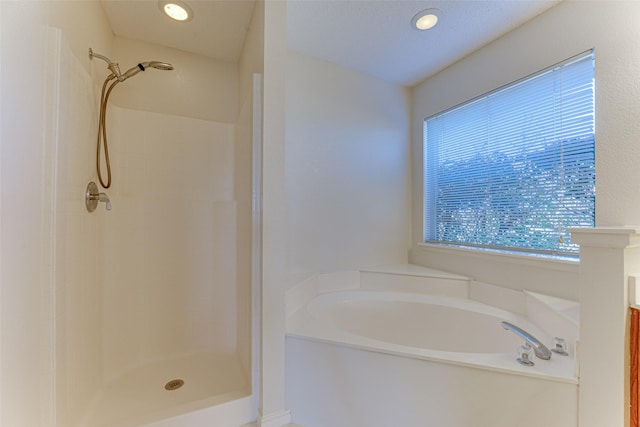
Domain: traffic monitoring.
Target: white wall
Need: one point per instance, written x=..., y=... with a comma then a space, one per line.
x=77, y=245
x=27, y=202
x=197, y=87
x=346, y=199
x=347, y=166
x=565, y=30
x=169, y=241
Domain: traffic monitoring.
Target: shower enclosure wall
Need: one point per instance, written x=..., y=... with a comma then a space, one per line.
x=158, y=288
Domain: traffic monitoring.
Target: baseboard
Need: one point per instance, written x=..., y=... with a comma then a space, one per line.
x=277, y=419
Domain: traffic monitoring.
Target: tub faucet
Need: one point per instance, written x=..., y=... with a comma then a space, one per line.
x=539, y=349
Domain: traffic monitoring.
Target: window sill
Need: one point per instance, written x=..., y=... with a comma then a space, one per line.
x=548, y=261
x=507, y=252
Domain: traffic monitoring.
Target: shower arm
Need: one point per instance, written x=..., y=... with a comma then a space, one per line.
x=92, y=54
x=113, y=66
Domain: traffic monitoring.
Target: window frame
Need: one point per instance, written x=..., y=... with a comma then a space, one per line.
x=559, y=254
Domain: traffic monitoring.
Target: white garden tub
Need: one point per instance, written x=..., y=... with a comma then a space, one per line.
x=376, y=358
x=436, y=328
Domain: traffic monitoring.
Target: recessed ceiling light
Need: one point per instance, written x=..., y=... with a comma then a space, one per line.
x=176, y=9
x=425, y=19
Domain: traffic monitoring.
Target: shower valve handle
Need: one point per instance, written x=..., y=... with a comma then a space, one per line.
x=93, y=196
x=102, y=197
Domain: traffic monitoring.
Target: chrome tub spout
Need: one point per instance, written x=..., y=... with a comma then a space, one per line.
x=539, y=349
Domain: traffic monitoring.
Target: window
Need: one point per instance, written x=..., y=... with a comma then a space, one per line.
x=513, y=169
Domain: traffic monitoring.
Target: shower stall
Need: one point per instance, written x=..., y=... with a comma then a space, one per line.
x=154, y=297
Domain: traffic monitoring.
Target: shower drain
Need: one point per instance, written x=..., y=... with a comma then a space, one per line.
x=174, y=384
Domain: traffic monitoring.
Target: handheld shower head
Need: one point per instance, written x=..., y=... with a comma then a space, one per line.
x=159, y=65
x=144, y=65
x=115, y=68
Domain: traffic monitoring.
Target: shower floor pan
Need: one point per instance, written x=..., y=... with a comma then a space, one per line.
x=149, y=394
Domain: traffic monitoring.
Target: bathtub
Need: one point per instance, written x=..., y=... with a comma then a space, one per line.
x=369, y=358
x=442, y=329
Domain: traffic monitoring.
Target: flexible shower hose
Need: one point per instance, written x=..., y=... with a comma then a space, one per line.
x=102, y=132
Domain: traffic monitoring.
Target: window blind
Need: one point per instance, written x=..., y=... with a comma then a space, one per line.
x=514, y=168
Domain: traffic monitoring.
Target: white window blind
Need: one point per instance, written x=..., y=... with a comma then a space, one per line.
x=514, y=168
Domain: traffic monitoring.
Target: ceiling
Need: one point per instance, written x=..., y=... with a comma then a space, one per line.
x=217, y=30
x=371, y=36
